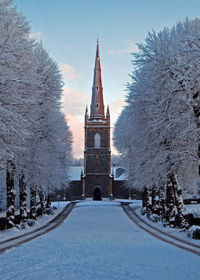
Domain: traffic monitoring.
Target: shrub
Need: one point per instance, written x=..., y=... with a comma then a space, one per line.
x=194, y=232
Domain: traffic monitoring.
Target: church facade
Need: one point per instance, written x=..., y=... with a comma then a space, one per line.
x=97, y=152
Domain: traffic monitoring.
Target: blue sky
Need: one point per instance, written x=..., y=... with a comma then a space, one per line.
x=69, y=28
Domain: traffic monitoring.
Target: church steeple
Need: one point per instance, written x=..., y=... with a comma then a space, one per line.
x=97, y=153
x=97, y=105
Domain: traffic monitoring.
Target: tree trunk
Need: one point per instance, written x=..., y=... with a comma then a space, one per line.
x=145, y=197
x=170, y=203
x=23, y=195
x=10, y=195
x=162, y=202
x=181, y=221
x=42, y=201
x=153, y=200
x=33, y=204
x=145, y=201
x=48, y=203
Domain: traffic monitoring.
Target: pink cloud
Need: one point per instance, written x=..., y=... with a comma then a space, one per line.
x=77, y=129
x=130, y=48
x=74, y=101
x=69, y=72
x=116, y=108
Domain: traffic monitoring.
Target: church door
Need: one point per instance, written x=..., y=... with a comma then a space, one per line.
x=97, y=193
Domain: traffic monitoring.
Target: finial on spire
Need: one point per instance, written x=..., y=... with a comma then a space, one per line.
x=108, y=114
x=86, y=114
x=108, y=111
x=97, y=39
x=112, y=174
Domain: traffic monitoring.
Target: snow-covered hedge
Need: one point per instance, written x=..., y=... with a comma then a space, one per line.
x=194, y=232
x=192, y=215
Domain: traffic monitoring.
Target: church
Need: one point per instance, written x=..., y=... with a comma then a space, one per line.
x=97, y=153
x=97, y=172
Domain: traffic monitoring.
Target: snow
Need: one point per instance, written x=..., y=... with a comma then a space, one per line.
x=134, y=201
x=35, y=138
x=59, y=204
x=2, y=214
x=193, y=209
x=194, y=230
x=157, y=133
x=122, y=177
x=98, y=241
x=172, y=231
x=41, y=220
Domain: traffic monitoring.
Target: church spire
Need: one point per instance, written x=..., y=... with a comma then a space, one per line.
x=97, y=105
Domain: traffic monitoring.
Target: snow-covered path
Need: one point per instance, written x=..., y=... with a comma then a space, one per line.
x=98, y=241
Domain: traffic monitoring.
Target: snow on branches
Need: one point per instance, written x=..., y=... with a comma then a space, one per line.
x=34, y=136
x=162, y=127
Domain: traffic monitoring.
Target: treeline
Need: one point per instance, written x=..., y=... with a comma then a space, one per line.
x=35, y=139
x=158, y=132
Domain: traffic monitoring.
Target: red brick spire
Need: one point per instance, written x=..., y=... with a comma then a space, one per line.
x=97, y=105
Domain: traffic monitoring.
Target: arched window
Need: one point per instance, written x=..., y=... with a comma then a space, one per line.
x=97, y=140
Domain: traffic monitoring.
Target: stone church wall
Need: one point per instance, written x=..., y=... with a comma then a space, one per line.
x=75, y=190
x=119, y=190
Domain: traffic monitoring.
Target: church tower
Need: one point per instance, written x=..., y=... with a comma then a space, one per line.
x=97, y=154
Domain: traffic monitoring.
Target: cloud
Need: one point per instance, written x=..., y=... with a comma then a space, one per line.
x=73, y=106
x=130, y=48
x=116, y=108
x=74, y=101
x=77, y=129
x=69, y=72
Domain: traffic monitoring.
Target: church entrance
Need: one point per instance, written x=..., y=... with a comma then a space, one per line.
x=97, y=193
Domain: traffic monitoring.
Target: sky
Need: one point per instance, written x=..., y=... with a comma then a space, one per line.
x=69, y=29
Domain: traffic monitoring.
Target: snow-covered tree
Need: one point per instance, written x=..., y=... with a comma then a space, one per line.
x=50, y=146
x=15, y=69
x=164, y=110
x=35, y=138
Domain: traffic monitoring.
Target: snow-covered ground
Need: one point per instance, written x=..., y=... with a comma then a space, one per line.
x=13, y=232
x=98, y=242
x=133, y=202
x=194, y=208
